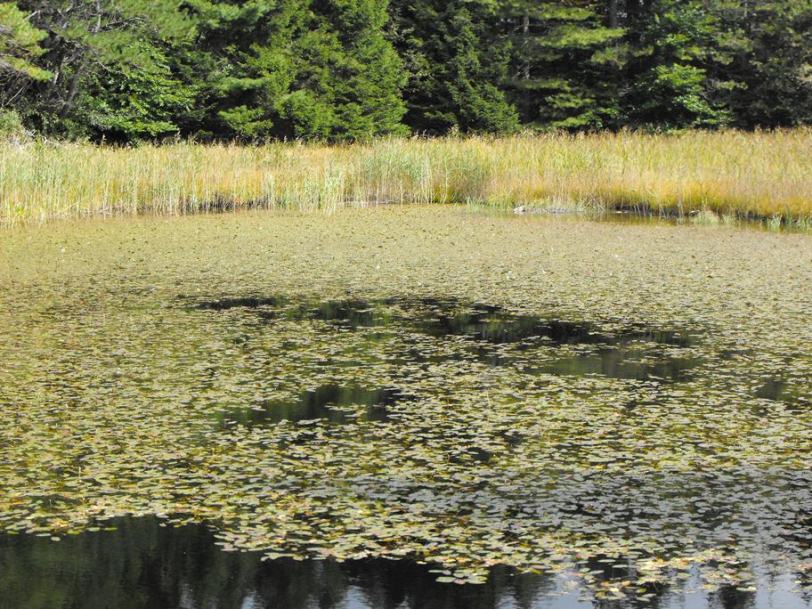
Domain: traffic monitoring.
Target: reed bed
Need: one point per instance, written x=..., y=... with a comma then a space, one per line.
x=756, y=175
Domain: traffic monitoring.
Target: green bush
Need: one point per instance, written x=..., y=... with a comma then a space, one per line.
x=11, y=125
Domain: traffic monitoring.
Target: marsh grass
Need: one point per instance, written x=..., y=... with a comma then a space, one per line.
x=764, y=175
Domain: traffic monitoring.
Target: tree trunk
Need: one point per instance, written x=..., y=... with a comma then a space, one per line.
x=526, y=42
x=73, y=91
x=613, y=13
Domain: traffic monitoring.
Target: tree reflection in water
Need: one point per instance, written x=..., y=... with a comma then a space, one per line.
x=143, y=565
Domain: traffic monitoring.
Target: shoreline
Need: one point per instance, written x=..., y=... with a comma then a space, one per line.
x=717, y=176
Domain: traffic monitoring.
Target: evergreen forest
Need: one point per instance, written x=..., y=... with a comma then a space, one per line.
x=122, y=71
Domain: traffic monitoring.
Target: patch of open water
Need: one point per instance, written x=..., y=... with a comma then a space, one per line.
x=141, y=563
x=484, y=325
x=332, y=403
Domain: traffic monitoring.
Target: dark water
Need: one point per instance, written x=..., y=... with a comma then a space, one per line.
x=327, y=402
x=248, y=302
x=779, y=391
x=143, y=565
x=620, y=363
x=485, y=326
x=444, y=317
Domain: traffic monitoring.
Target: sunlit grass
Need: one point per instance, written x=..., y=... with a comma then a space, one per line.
x=766, y=175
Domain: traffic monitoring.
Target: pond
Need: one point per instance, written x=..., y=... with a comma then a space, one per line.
x=405, y=407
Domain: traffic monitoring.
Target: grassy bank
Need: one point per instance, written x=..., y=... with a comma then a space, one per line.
x=765, y=175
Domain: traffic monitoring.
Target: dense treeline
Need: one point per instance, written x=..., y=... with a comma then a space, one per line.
x=124, y=70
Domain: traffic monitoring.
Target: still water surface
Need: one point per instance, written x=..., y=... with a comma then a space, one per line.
x=624, y=408
x=144, y=564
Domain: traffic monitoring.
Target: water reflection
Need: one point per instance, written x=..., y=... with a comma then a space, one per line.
x=243, y=302
x=622, y=363
x=614, y=354
x=143, y=565
x=444, y=317
x=494, y=324
x=779, y=390
x=333, y=403
x=351, y=313
x=440, y=317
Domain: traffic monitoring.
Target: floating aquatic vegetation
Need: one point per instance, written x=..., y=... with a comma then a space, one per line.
x=618, y=352
x=331, y=402
x=137, y=562
x=589, y=394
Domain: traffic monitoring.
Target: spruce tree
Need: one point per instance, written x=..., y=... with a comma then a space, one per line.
x=678, y=72
x=456, y=66
x=245, y=60
x=566, y=62
x=291, y=69
x=348, y=76
x=773, y=67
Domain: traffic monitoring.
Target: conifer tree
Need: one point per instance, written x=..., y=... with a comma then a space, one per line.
x=773, y=65
x=348, y=75
x=291, y=69
x=19, y=44
x=110, y=61
x=246, y=61
x=566, y=62
x=343, y=70
x=678, y=71
x=456, y=66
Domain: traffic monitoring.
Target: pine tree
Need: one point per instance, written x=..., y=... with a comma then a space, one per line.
x=19, y=44
x=111, y=65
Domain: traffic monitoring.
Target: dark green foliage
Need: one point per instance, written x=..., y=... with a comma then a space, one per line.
x=246, y=61
x=19, y=44
x=19, y=50
x=111, y=66
x=289, y=69
x=348, y=76
x=455, y=66
x=677, y=66
x=344, y=70
x=566, y=63
x=775, y=67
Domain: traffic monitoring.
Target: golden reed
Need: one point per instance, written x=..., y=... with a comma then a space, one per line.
x=764, y=175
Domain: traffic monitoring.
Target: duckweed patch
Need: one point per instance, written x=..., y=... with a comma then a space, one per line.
x=111, y=389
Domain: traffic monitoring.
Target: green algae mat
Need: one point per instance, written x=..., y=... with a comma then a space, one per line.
x=433, y=384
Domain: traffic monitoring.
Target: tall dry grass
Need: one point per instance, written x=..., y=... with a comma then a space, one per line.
x=767, y=174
